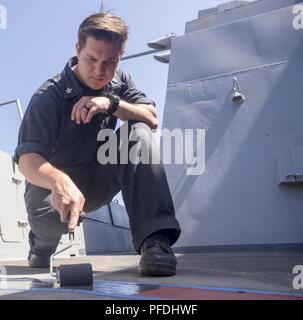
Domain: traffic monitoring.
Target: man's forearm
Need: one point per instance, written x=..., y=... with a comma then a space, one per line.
x=140, y=112
x=38, y=171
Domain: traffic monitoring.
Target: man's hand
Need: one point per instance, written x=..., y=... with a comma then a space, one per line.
x=87, y=107
x=67, y=199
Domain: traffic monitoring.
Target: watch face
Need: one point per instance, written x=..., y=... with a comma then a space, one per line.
x=116, y=99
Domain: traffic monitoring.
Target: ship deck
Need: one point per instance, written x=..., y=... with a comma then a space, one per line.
x=200, y=276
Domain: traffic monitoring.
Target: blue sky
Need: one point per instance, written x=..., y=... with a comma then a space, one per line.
x=41, y=36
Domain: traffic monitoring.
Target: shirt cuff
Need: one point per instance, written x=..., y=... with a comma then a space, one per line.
x=145, y=101
x=31, y=147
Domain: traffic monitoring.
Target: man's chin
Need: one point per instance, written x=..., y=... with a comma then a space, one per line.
x=97, y=85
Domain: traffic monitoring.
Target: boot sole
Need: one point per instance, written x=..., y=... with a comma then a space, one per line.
x=163, y=270
x=38, y=263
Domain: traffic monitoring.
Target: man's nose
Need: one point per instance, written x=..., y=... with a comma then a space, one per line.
x=100, y=69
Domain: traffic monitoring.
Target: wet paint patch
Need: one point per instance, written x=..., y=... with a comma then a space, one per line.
x=147, y=291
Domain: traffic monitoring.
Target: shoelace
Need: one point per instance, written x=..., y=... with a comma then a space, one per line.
x=158, y=243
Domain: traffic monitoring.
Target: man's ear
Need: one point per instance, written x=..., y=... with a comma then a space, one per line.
x=122, y=52
x=78, y=50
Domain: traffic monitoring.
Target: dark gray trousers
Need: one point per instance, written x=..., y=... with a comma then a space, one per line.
x=144, y=189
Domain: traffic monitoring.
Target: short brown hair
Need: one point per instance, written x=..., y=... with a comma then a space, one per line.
x=103, y=26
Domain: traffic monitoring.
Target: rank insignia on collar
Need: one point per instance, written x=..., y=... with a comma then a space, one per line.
x=69, y=90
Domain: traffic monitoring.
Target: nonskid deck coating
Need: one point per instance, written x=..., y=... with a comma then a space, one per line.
x=199, y=277
x=145, y=291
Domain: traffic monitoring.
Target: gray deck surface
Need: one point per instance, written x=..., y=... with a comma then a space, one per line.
x=116, y=276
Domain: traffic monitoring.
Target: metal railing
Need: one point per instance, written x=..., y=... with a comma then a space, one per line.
x=17, y=101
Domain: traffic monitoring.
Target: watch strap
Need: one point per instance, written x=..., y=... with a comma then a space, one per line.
x=114, y=104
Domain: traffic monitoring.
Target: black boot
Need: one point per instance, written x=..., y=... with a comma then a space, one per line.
x=157, y=257
x=38, y=258
x=35, y=261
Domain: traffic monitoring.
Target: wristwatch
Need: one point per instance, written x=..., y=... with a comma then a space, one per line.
x=114, y=104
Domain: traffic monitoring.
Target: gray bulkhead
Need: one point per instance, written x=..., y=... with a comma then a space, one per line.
x=251, y=191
